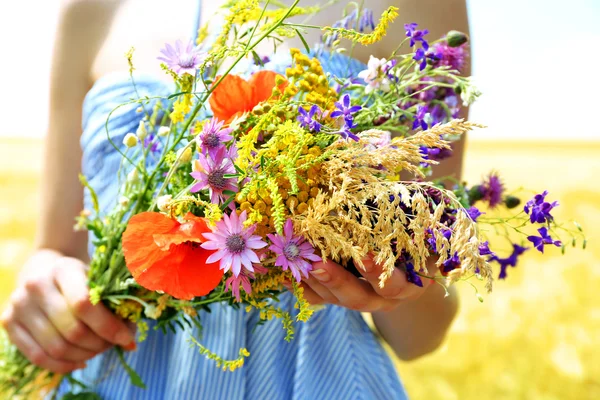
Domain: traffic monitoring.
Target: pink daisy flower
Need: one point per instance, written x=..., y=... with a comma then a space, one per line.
x=234, y=243
x=213, y=137
x=211, y=175
x=292, y=252
x=183, y=60
x=233, y=283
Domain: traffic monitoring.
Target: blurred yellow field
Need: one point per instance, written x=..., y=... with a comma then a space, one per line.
x=536, y=337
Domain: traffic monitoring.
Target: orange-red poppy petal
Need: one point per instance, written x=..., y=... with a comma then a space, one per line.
x=184, y=274
x=232, y=96
x=176, y=264
x=262, y=84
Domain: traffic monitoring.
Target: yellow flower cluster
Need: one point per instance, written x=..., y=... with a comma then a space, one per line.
x=268, y=312
x=129, y=309
x=367, y=38
x=272, y=280
x=183, y=105
x=308, y=78
x=230, y=365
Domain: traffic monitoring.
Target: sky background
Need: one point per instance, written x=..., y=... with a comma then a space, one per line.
x=536, y=62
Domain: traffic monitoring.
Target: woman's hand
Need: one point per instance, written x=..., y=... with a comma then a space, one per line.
x=51, y=320
x=333, y=284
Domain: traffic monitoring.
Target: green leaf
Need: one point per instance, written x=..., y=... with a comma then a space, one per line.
x=578, y=226
x=81, y=396
x=584, y=243
x=257, y=59
x=306, y=46
x=136, y=380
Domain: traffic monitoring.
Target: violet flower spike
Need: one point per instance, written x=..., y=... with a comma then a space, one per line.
x=183, y=60
x=366, y=20
x=235, y=244
x=210, y=174
x=492, y=190
x=420, y=116
x=411, y=274
x=543, y=239
x=306, y=119
x=293, y=252
x=213, y=138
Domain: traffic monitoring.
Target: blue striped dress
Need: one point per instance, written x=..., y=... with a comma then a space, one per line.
x=332, y=356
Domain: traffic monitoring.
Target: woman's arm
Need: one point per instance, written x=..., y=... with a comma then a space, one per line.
x=49, y=316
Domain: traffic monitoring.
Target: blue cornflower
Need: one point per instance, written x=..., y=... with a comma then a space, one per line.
x=420, y=116
x=344, y=109
x=307, y=120
x=510, y=261
x=544, y=238
x=452, y=263
x=366, y=21
x=416, y=35
x=539, y=208
x=411, y=274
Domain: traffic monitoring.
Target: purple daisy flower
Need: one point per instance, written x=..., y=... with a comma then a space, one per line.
x=292, y=252
x=183, y=60
x=540, y=208
x=234, y=243
x=492, y=190
x=210, y=175
x=543, y=239
x=307, y=120
x=213, y=137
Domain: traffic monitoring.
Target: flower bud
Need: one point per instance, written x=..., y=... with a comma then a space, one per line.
x=163, y=202
x=511, y=201
x=130, y=140
x=139, y=110
x=123, y=201
x=279, y=80
x=476, y=193
x=141, y=131
x=163, y=131
x=133, y=176
x=456, y=38
x=184, y=155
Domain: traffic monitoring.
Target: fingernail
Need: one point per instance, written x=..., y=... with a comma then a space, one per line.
x=124, y=338
x=321, y=275
x=131, y=346
x=81, y=366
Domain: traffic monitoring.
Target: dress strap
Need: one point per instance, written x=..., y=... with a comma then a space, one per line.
x=197, y=20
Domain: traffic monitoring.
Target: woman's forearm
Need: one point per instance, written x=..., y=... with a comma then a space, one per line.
x=418, y=327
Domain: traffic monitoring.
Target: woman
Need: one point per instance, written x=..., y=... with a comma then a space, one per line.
x=49, y=316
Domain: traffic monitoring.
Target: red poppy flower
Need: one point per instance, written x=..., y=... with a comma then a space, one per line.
x=235, y=96
x=163, y=254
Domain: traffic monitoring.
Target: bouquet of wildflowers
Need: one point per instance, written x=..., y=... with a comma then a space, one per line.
x=237, y=183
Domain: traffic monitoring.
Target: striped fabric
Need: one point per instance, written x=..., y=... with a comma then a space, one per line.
x=333, y=356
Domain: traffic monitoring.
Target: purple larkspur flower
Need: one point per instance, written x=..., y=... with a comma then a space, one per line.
x=235, y=244
x=416, y=35
x=411, y=274
x=183, y=59
x=510, y=261
x=492, y=190
x=420, y=116
x=210, y=174
x=434, y=154
x=152, y=141
x=453, y=57
x=447, y=233
x=307, y=119
x=345, y=109
x=293, y=252
x=474, y=213
x=451, y=263
x=543, y=239
x=346, y=133
x=421, y=56
x=540, y=208
x=213, y=138
x=366, y=20
x=484, y=249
